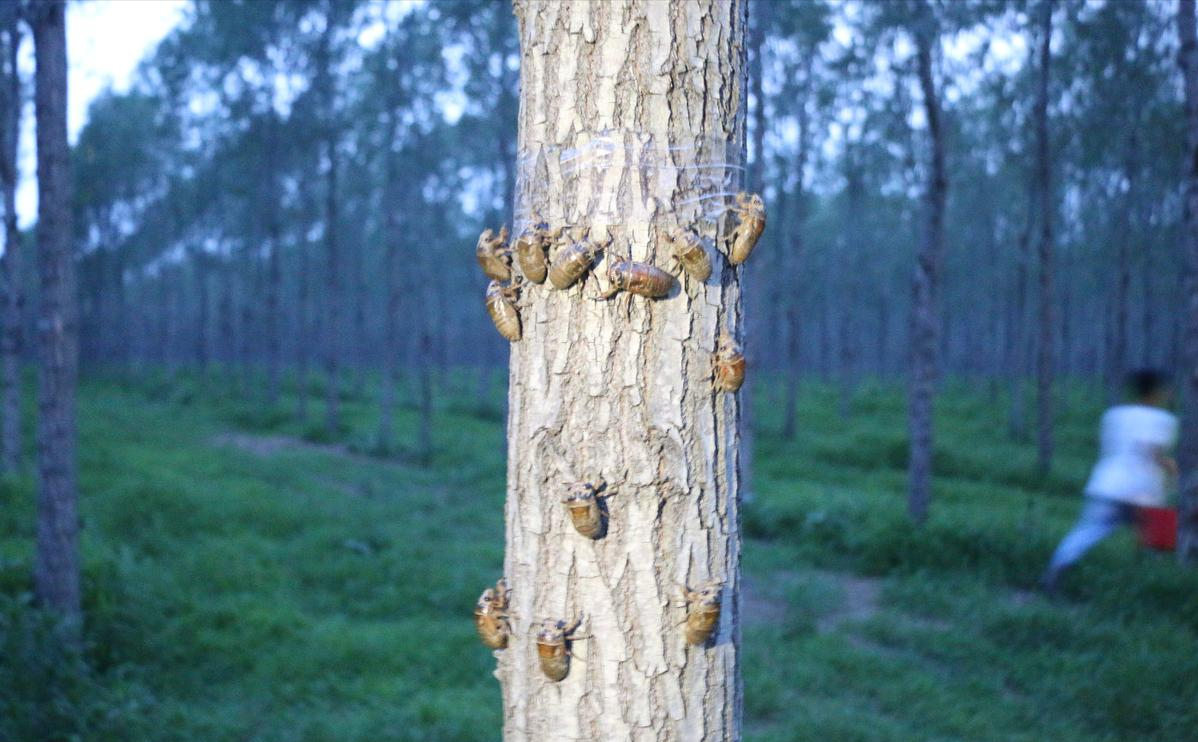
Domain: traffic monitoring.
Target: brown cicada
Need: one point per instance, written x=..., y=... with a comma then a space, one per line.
x=491, y=616
x=530, y=251
x=553, y=650
x=586, y=509
x=702, y=612
x=750, y=212
x=501, y=305
x=728, y=364
x=691, y=255
x=493, y=254
x=573, y=262
x=641, y=279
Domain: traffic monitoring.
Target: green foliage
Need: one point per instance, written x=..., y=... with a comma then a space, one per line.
x=242, y=582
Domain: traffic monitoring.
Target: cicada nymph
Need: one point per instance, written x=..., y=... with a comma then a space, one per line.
x=573, y=262
x=530, y=250
x=553, y=650
x=702, y=612
x=586, y=511
x=493, y=254
x=690, y=254
x=750, y=212
x=501, y=305
x=491, y=617
x=728, y=364
x=641, y=279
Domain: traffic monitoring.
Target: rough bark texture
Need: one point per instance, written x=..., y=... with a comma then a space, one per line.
x=56, y=564
x=623, y=390
x=925, y=320
x=10, y=263
x=1187, y=541
x=1045, y=356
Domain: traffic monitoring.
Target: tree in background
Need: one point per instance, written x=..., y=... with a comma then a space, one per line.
x=1045, y=368
x=925, y=316
x=11, y=104
x=56, y=566
x=622, y=391
x=1187, y=542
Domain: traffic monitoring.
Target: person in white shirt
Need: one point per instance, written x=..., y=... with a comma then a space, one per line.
x=1131, y=471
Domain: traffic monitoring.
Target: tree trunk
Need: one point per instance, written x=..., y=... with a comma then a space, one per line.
x=925, y=316
x=1045, y=351
x=332, y=279
x=308, y=334
x=391, y=238
x=56, y=564
x=1118, y=364
x=200, y=260
x=793, y=262
x=274, y=270
x=623, y=390
x=10, y=263
x=1187, y=537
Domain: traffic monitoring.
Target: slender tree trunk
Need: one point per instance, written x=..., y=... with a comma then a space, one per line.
x=391, y=240
x=925, y=315
x=794, y=262
x=274, y=269
x=306, y=335
x=1118, y=364
x=759, y=20
x=200, y=260
x=1187, y=541
x=56, y=564
x=10, y=263
x=623, y=390
x=1045, y=362
x=332, y=289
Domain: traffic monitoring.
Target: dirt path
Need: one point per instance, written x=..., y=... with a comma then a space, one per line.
x=857, y=598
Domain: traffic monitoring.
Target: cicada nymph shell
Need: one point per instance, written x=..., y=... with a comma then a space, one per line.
x=641, y=279
x=573, y=262
x=691, y=255
x=501, y=305
x=702, y=612
x=553, y=649
x=530, y=251
x=491, y=617
x=728, y=364
x=750, y=212
x=586, y=513
x=493, y=254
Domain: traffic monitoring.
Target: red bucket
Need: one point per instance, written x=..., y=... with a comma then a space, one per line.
x=1158, y=528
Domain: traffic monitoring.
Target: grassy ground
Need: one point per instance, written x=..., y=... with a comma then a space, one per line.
x=248, y=579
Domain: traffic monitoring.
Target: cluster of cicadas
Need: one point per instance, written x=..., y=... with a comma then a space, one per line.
x=564, y=258
x=554, y=636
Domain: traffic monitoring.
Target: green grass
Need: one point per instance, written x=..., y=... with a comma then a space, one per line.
x=322, y=592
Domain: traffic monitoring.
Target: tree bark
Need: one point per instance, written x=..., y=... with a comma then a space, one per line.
x=1187, y=537
x=56, y=564
x=10, y=263
x=274, y=270
x=1118, y=364
x=794, y=262
x=391, y=238
x=925, y=322
x=332, y=291
x=623, y=390
x=1045, y=352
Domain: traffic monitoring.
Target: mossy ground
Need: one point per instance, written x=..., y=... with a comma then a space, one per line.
x=249, y=578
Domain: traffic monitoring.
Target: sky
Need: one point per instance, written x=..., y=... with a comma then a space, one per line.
x=105, y=41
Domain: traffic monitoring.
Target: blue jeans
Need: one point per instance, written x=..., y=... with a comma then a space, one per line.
x=1099, y=519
